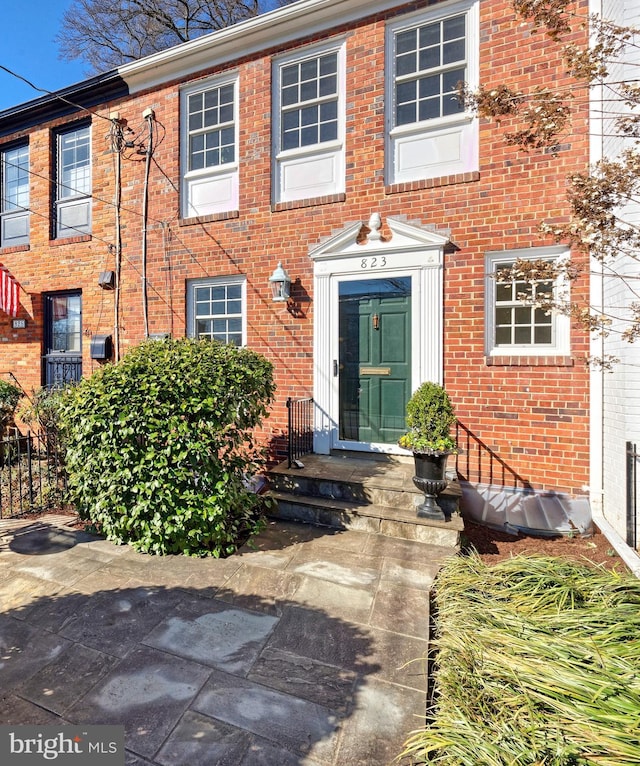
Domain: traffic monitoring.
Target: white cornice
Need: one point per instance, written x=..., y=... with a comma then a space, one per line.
x=275, y=28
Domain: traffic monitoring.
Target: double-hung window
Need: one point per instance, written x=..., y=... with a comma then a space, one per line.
x=209, y=147
x=519, y=320
x=309, y=124
x=14, y=205
x=216, y=309
x=73, y=182
x=429, y=132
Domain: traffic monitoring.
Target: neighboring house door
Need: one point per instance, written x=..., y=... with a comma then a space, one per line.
x=62, y=338
x=374, y=362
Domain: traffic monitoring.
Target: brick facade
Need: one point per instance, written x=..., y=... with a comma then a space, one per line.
x=533, y=412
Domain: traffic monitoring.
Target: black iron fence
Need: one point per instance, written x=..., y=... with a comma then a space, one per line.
x=633, y=456
x=32, y=476
x=300, y=429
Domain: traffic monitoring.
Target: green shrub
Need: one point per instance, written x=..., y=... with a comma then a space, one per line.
x=430, y=416
x=159, y=446
x=9, y=397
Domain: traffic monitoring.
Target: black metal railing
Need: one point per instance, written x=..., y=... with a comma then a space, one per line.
x=478, y=463
x=60, y=369
x=299, y=428
x=32, y=476
x=633, y=456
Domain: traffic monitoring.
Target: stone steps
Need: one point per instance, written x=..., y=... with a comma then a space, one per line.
x=348, y=491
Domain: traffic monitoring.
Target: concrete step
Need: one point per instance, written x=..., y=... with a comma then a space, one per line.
x=386, y=482
x=372, y=493
x=368, y=517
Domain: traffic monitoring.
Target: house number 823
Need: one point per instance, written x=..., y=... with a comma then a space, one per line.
x=373, y=263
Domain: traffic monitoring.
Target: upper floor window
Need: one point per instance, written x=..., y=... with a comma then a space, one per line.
x=429, y=132
x=518, y=321
x=209, y=148
x=14, y=205
x=73, y=182
x=309, y=124
x=216, y=309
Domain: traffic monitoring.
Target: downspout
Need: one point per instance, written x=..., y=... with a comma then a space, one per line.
x=597, y=379
x=118, y=258
x=148, y=115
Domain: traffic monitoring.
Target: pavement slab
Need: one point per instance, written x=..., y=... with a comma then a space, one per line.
x=305, y=650
x=146, y=680
x=229, y=639
x=286, y=720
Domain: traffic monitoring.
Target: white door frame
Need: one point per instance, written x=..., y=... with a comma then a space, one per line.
x=412, y=250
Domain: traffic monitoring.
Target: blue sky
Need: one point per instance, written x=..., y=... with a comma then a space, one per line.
x=27, y=30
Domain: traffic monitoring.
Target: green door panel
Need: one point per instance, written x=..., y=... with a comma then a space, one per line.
x=374, y=358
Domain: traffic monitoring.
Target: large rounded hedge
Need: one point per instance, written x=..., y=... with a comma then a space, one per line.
x=160, y=445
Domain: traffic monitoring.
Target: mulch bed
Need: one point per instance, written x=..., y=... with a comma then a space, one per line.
x=495, y=545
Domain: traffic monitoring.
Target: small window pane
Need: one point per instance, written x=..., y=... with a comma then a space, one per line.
x=503, y=316
x=328, y=131
x=522, y=336
x=406, y=114
x=429, y=58
x=543, y=334
x=504, y=292
x=503, y=336
x=452, y=52
x=406, y=41
x=453, y=28
x=406, y=64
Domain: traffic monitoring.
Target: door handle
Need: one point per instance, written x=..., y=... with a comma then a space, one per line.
x=335, y=368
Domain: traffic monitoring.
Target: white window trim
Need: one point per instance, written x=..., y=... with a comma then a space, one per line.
x=192, y=284
x=464, y=121
x=329, y=149
x=561, y=331
x=73, y=200
x=18, y=214
x=229, y=170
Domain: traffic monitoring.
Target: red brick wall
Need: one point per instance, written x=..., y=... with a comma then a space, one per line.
x=535, y=417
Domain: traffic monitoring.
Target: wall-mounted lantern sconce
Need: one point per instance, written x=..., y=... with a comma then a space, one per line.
x=280, y=284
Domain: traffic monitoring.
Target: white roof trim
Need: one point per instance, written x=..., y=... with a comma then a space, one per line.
x=272, y=29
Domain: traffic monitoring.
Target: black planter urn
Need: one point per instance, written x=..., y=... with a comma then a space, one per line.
x=430, y=479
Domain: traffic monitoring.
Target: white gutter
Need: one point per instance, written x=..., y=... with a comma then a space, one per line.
x=271, y=29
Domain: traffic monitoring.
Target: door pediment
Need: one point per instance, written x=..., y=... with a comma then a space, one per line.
x=405, y=237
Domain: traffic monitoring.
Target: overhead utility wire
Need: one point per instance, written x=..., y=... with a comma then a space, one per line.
x=53, y=93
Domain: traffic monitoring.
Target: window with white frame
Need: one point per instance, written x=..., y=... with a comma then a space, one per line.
x=429, y=132
x=14, y=202
x=216, y=309
x=209, y=141
x=73, y=182
x=309, y=124
x=516, y=322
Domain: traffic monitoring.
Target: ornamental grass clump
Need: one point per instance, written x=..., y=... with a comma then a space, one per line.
x=538, y=663
x=159, y=446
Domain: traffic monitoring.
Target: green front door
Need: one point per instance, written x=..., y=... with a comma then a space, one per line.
x=374, y=364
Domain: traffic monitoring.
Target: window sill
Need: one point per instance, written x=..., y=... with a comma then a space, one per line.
x=328, y=199
x=212, y=218
x=70, y=240
x=15, y=249
x=431, y=183
x=529, y=361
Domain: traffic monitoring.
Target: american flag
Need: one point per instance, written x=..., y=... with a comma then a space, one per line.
x=9, y=290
